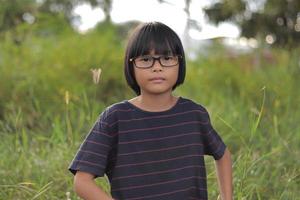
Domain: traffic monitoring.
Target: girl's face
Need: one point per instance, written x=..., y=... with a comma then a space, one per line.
x=157, y=79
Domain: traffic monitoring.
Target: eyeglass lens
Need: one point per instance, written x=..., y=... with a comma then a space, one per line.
x=148, y=61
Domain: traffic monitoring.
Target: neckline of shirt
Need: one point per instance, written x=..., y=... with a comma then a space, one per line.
x=154, y=112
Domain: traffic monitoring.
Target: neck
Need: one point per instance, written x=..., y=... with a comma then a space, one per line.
x=156, y=102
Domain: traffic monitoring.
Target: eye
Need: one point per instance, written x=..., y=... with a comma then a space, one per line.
x=145, y=59
x=167, y=57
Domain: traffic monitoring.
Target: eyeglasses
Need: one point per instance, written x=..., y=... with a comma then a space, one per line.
x=147, y=61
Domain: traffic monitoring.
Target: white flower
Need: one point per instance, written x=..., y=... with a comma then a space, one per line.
x=96, y=75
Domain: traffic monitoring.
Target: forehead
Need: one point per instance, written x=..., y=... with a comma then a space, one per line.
x=154, y=52
x=155, y=47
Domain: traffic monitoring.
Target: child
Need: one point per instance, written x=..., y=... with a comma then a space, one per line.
x=151, y=147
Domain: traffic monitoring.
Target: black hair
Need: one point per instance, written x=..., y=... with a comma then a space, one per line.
x=152, y=36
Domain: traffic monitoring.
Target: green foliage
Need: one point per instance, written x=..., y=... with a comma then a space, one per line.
x=225, y=10
x=47, y=68
x=48, y=102
x=11, y=12
x=257, y=19
x=14, y=13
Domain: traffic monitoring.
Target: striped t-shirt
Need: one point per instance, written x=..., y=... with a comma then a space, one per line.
x=151, y=155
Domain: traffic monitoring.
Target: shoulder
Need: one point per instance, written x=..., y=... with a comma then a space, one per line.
x=192, y=104
x=110, y=112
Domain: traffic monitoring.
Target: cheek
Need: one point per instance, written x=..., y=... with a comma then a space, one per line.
x=174, y=74
x=139, y=76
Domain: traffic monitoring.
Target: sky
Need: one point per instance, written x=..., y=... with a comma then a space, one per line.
x=171, y=13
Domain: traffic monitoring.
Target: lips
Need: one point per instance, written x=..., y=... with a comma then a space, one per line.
x=157, y=78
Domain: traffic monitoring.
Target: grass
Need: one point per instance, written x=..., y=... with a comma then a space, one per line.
x=254, y=107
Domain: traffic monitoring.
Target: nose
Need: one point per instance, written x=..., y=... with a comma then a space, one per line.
x=156, y=66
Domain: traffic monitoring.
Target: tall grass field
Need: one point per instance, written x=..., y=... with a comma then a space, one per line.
x=48, y=103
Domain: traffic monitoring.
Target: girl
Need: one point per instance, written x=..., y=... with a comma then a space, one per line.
x=151, y=147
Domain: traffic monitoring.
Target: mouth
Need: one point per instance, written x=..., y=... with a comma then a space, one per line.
x=157, y=79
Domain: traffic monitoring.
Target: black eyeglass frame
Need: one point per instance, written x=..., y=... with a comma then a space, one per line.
x=154, y=59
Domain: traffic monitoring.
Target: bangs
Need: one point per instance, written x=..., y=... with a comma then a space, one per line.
x=157, y=39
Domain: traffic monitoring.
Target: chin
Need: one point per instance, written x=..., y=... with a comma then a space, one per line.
x=159, y=90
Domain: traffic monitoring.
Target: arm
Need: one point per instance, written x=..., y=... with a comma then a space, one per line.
x=224, y=173
x=86, y=188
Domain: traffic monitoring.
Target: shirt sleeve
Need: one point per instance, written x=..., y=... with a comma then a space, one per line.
x=213, y=143
x=93, y=154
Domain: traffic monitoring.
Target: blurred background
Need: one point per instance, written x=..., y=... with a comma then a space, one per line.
x=243, y=65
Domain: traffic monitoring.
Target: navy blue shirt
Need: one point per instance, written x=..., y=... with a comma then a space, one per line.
x=151, y=155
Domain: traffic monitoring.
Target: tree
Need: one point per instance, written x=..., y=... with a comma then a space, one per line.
x=13, y=12
x=16, y=12
x=276, y=20
x=67, y=6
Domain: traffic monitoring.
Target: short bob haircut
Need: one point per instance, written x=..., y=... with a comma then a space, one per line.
x=152, y=36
